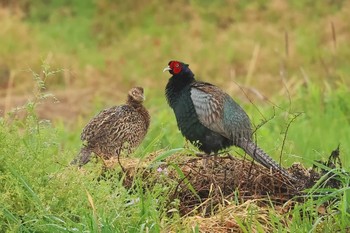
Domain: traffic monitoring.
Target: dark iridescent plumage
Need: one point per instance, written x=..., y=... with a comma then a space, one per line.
x=115, y=129
x=210, y=118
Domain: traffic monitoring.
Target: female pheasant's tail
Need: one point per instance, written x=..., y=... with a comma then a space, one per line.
x=83, y=157
x=259, y=155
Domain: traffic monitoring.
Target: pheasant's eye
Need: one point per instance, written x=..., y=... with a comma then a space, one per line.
x=176, y=67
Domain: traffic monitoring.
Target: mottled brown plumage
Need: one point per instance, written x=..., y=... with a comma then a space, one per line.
x=116, y=129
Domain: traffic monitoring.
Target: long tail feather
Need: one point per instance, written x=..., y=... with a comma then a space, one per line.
x=82, y=158
x=259, y=155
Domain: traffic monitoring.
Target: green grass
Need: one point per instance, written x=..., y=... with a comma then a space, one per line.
x=320, y=128
x=39, y=192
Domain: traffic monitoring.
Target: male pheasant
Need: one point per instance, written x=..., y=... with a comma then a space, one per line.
x=210, y=118
x=115, y=129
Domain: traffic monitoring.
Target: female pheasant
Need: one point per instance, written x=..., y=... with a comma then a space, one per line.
x=115, y=129
x=210, y=118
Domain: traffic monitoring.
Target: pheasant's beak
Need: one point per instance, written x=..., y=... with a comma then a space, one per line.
x=167, y=68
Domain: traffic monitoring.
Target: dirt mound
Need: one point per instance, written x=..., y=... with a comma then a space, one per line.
x=205, y=185
x=223, y=194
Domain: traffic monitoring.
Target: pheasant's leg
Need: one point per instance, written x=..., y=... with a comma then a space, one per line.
x=205, y=158
x=120, y=164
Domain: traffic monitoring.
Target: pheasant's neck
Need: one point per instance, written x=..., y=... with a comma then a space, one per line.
x=179, y=82
x=143, y=111
x=176, y=86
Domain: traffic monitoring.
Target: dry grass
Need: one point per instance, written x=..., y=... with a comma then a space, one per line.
x=226, y=195
x=232, y=218
x=223, y=194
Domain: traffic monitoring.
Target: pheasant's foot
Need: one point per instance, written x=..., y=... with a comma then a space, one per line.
x=109, y=163
x=202, y=155
x=228, y=156
x=205, y=159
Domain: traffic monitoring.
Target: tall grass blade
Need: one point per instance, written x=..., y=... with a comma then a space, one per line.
x=9, y=215
x=27, y=187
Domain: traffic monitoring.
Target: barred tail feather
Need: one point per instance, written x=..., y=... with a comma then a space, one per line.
x=82, y=158
x=259, y=155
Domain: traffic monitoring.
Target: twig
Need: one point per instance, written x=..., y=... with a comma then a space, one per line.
x=8, y=97
x=286, y=132
x=286, y=40
x=252, y=64
x=177, y=187
x=263, y=122
x=334, y=36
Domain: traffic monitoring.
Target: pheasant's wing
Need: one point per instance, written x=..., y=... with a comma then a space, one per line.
x=208, y=101
x=103, y=124
x=115, y=127
x=218, y=112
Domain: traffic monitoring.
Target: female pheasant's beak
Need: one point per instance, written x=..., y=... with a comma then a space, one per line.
x=141, y=97
x=167, y=69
